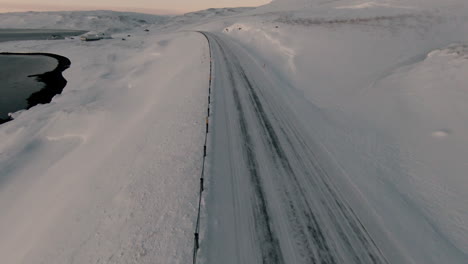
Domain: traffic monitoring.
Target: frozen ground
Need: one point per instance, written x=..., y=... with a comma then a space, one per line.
x=352, y=113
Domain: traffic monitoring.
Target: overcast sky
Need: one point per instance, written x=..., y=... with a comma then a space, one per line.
x=146, y=6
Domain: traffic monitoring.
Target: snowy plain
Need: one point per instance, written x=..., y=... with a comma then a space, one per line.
x=105, y=173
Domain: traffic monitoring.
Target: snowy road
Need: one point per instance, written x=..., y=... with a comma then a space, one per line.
x=272, y=196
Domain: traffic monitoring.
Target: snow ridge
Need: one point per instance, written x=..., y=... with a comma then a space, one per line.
x=197, y=238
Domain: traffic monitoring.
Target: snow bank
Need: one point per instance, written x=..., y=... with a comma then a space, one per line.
x=106, y=171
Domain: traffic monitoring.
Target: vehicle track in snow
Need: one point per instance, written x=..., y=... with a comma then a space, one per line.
x=272, y=195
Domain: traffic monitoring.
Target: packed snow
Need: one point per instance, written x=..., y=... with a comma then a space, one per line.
x=106, y=172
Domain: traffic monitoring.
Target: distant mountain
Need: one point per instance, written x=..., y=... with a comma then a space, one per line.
x=202, y=16
x=106, y=21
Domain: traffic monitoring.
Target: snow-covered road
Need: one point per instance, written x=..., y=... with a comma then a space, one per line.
x=339, y=134
x=273, y=197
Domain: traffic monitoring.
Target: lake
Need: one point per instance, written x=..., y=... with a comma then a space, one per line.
x=37, y=34
x=15, y=85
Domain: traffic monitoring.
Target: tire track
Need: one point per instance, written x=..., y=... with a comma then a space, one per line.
x=269, y=244
x=312, y=238
x=309, y=200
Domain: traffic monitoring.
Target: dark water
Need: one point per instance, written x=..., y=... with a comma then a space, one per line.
x=15, y=85
x=36, y=34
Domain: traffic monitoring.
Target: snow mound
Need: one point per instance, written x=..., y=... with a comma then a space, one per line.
x=428, y=114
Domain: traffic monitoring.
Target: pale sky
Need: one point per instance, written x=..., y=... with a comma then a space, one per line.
x=144, y=6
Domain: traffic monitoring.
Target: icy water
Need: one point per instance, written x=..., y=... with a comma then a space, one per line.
x=15, y=85
x=36, y=34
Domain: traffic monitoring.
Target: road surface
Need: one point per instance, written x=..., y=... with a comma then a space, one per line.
x=272, y=197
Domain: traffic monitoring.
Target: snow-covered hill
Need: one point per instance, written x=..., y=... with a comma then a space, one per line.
x=111, y=21
x=107, y=21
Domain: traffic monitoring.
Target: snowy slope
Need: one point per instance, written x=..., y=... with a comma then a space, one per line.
x=105, y=172
x=113, y=22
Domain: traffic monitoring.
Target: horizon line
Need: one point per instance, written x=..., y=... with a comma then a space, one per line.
x=19, y=8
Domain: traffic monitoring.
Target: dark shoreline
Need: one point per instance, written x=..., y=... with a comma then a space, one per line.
x=53, y=80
